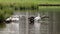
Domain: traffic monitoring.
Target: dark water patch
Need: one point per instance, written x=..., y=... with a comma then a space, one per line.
x=2, y=25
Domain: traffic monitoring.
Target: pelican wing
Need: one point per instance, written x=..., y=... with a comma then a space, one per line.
x=44, y=17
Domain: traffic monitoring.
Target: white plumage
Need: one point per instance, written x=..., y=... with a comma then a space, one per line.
x=8, y=19
x=38, y=17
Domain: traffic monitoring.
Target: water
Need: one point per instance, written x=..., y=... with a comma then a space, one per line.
x=12, y=28
x=37, y=26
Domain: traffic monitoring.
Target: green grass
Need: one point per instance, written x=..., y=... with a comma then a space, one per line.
x=49, y=8
x=31, y=1
x=28, y=3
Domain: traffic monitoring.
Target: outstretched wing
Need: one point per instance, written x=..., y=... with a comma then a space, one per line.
x=44, y=17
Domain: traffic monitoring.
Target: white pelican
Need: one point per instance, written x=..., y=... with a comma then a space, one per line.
x=8, y=19
x=37, y=24
x=40, y=17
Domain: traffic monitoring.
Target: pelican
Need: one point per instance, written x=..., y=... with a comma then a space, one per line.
x=32, y=18
x=39, y=17
x=37, y=24
x=8, y=20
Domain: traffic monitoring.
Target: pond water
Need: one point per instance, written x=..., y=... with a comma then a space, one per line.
x=12, y=28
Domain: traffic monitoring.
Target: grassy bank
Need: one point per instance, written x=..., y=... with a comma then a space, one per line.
x=31, y=1
x=49, y=8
